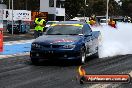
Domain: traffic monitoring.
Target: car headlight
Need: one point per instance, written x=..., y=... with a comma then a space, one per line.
x=36, y=45
x=33, y=45
x=69, y=46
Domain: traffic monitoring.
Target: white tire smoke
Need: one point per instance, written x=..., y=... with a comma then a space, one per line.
x=115, y=41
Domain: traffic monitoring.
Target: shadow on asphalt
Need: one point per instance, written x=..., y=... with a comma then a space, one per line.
x=56, y=63
x=62, y=63
x=16, y=37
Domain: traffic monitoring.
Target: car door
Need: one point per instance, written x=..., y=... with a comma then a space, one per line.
x=87, y=38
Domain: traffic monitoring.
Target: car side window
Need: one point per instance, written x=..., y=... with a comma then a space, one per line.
x=86, y=29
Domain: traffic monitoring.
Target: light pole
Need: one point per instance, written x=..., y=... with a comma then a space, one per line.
x=9, y=4
x=107, y=12
x=84, y=10
x=55, y=10
x=26, y=4
x=12, y=17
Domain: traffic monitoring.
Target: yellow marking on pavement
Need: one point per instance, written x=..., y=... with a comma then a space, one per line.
x=18, y=42
x=78, y=25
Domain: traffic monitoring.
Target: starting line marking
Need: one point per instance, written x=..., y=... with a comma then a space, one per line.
x=14, y=55
x=18, y=42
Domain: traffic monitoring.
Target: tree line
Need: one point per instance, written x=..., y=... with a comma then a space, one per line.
x=98, y=7
x=80, y=8
x=33, y=5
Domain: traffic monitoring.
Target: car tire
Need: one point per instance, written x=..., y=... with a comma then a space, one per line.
x=34, y=61
x=81, y=80
x=97, y=53
x=82, y=56
x=99, y=44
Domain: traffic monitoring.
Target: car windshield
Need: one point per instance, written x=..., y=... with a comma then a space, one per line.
x=64, y=30
x=50, y=23
x=103, y=21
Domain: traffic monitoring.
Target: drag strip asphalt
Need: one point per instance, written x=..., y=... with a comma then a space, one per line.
x=19, y=72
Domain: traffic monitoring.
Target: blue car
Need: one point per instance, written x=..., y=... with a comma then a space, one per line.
x=68, y=40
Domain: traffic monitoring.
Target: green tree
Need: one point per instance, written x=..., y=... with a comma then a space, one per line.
x=97, y=7
x=114, y=8
x=126, y=7
x=32, y=5
x=74, y=7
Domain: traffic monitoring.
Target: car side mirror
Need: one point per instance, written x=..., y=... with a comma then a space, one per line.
x=86, y=35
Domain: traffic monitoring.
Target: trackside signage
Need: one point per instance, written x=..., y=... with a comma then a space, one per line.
x=1, y=31
x=23, y=15
x=102, y=78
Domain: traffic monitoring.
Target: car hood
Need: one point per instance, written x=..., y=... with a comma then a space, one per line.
x=47, y=25
x=58, y=39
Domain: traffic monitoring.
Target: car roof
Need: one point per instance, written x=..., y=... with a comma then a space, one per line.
x=52, y=21
x=102, y=19
x=70, y=22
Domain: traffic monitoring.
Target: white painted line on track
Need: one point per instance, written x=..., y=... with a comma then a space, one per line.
x=100, y=86
x=14, y=55
x=18, y=42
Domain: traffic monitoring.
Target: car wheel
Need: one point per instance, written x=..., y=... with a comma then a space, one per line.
x=82, y=80
x=97, y=53
x=34, y=61
x=83, y=56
